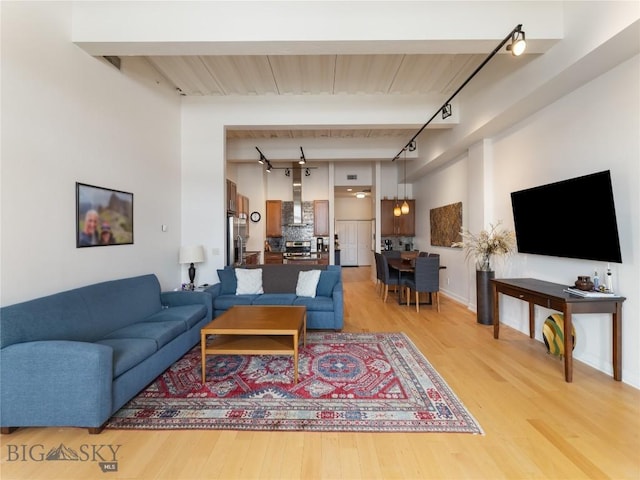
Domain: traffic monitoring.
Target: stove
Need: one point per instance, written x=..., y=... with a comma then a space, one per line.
x=297, y=249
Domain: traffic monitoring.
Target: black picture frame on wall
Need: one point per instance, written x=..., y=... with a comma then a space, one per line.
x=104, y=216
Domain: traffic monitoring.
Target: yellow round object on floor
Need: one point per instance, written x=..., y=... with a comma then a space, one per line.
x=553, y=334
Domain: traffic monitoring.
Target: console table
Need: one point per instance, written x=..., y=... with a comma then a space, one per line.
x=553, y=296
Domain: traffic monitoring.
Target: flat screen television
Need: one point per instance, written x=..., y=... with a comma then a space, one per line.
x=574, y=218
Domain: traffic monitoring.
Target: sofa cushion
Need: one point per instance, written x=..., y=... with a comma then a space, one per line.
x=118, y=303
x=275, y=299
x=161, y=332
x=249, y=281
x=189, y=314
x=318, y=304
x=228, y=282
x=129, y=352
x=326, y=283
x=224, y=302
x=307, y=283
x=283, y=278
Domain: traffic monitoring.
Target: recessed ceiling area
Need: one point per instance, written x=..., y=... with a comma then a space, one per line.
x=350, y=192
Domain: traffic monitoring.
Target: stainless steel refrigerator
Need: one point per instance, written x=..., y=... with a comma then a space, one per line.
x=236, y=239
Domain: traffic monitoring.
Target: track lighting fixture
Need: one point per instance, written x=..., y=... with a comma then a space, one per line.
x=307, y=173
x=287, y=173
x=516, y=47
x=405, y=206
x=302, y=160
x=446, y=111
x=262, y=158
x=518, y=43
x=269, y=167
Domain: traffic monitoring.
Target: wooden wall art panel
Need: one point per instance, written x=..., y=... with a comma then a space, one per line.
x=446, y=223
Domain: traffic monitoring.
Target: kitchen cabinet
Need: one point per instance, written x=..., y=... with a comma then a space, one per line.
x=392, y=226
x=232, y=193
x=387, y=220
x=272, y=258
x=321, y=218
x=242, y=205
x=274, y=218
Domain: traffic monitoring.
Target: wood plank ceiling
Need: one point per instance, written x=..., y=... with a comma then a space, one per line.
x=393, y=74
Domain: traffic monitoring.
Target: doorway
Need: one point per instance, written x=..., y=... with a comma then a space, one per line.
x=355, y=242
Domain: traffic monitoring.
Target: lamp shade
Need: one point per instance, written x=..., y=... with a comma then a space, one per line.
x=192, y=254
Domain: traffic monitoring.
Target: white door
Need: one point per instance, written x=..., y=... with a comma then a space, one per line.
x=355, y=242
x=364, y=243
x=348, y=234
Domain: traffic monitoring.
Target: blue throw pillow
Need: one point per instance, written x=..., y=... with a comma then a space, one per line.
x=328, y=280
x=228, y=281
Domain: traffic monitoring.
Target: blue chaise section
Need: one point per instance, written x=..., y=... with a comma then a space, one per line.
x=74, y=358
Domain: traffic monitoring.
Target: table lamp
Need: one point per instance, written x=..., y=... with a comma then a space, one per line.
x=192, y=254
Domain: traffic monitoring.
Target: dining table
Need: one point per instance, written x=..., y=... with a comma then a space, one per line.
x=405, y=265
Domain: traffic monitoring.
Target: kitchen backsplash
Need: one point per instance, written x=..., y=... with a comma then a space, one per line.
x=298, y=232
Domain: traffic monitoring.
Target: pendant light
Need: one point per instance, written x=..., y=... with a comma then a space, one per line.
x=404, y=210
x=396, y=210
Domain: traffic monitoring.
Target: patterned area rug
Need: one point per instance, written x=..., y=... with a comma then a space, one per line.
x=347, y=382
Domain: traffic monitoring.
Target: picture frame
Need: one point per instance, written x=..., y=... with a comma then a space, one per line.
x=446, y=225
x=104, y=216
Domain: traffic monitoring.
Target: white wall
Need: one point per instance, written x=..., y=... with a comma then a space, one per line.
x=353, y=209
x=571, y=138
x=68, y=117
x=593, y=128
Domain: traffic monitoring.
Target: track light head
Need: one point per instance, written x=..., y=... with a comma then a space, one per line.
x=446, y=111
x=262, y=158
x=307, y=173
x=518, y=43
x=302, y=160
x=269, y=167
x=287, y=173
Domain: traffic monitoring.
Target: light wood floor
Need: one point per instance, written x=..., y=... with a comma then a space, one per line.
x=536, y=425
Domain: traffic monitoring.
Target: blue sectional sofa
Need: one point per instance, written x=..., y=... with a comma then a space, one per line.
x=324, y=311
x=76, y=357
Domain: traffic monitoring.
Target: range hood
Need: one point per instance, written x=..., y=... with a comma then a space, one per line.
x=296, y=175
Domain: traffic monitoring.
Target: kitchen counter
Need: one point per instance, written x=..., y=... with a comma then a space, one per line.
x=250, y=257
x=318, y=258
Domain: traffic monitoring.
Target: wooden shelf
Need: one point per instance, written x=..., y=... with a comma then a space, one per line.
x=251, y=345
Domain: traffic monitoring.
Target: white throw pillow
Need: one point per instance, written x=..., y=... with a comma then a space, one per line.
x=249, y=281
x=307, y=283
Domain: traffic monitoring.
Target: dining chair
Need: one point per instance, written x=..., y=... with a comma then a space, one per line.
x=426, y=279
x=387, y=278
x=423, y=254
x=379, y=274
x=392, y=253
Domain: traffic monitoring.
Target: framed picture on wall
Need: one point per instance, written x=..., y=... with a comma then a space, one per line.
x=103, y=216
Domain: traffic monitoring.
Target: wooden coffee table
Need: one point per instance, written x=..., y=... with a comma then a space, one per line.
x=256, y=330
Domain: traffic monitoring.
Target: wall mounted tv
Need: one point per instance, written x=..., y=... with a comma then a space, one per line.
x=574, y=218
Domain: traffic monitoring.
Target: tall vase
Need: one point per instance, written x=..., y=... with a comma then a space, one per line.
x=484, y=296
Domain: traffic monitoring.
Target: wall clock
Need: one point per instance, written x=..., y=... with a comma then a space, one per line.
x=255, y=217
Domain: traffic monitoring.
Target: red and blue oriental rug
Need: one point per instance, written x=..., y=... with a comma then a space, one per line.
x=355, y=382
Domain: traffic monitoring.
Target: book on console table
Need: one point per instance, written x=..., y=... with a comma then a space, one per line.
x=588, y=293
